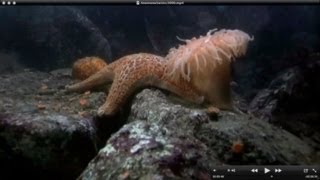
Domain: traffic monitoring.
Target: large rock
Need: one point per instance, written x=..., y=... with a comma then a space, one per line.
x=51, y=37
x=168, y=140
x=43, y=133
x=291, y=101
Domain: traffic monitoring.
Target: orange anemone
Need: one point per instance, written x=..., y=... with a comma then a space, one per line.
x=87, y=66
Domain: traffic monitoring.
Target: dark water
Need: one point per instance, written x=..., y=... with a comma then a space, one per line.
x=51, y=37
x=59, y=33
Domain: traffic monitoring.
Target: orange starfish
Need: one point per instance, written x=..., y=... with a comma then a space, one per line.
x=130, y=73
x=197, y=71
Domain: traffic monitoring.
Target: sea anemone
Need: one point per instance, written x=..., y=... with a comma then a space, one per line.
x=206, y=52
x=204, y=62
x=87, y=66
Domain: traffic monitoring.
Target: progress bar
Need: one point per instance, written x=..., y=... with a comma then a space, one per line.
x=266, y=172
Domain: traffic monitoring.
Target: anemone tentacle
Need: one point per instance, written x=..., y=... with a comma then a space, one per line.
x=206, y=52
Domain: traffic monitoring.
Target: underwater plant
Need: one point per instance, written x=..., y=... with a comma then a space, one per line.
x=198, y=71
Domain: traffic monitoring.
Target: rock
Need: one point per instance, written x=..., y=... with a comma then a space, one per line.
x=51, y=146
x=47, y=38
x=291, y=101
x=48, y=134
x=64, y=73
x=306, y=39
x=9, y=63
x=44, y=135
x=166, y=140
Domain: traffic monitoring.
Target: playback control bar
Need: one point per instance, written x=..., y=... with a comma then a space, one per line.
x=265, y=172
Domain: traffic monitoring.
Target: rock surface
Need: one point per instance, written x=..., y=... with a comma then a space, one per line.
x=291, y=101
x=48, y=134
x=167, y=140
x=51, y=37
x=44, y=134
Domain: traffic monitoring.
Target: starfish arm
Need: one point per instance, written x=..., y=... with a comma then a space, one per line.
x=116, y=97
x=121, y=89
x=103, y=76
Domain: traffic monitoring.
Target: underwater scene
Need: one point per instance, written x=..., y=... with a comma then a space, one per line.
x=157, y=92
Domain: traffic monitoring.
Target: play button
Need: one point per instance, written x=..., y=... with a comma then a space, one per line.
x=266, y=170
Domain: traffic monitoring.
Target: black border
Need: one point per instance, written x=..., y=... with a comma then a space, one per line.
x=185, y=2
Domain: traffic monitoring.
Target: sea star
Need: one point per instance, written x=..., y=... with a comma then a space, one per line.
x=198, y=71
x=130, y=73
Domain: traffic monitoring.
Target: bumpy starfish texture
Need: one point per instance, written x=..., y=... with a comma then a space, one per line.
x=130, y=73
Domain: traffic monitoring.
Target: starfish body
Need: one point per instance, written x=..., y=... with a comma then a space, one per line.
x=130, y=73
x=198, y=71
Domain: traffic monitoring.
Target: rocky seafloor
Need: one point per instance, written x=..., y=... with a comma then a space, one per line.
x=46, y=133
